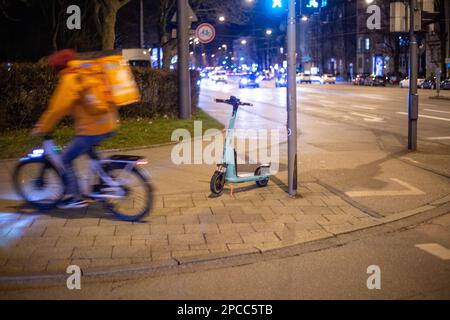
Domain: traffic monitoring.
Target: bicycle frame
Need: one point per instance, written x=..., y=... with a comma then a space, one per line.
x=50, y=151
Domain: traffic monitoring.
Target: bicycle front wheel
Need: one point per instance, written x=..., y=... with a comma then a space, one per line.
x=39, y=183
x=137, y=202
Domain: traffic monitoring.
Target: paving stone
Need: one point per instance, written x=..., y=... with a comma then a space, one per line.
x=255, y=210
x=199, y=196
x=196, y=211
x=227, y=210
x=178, y=204
x=132, y=229
x=52, y=253
x=37, y=241
x=85, y=222
x=285, y=210
x=208, y=203
x=240, y=246
x=60, y=222
x=266, y=226
x=17, y=253
x=31, y=231
x=62, y=231
x=161, y=255
x=188, y=253
x=58, y=265
x=183, y=219
x=238, y=203
x=112, y=241
x=218, y=247
x=223, y=238
x=81, y=241
x=191, y=238
x=98, y=231
x=259, y=237
x=302, y=226
x=334, y=201
x=131, y=252
x=201, y=228
x=155, y=220
x=166, y=212
x=269, y=203
x=296, y=202
x=236, y=227
x=167, y=229
x=109, y=262
x=214, y=218
x=246, y=218
x=92, y=252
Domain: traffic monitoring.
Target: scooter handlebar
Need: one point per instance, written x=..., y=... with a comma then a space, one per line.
x=229, y=102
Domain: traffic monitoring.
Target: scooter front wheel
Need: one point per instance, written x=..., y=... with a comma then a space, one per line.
x=217, y=183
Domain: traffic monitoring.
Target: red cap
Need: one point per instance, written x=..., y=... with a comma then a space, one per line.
x=60, y=59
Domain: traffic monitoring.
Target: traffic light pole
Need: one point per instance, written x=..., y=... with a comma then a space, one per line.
x=413, y=102
x=184, y=81
x=292, y=100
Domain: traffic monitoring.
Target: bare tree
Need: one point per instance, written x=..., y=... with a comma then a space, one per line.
x=204, y=9
x=105, y=15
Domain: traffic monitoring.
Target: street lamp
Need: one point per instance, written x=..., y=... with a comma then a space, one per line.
x=221, y=18
x=304, y=18
x=244, y=42
x=269, y=32
x=369, y=1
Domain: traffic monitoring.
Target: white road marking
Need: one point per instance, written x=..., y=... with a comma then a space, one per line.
x=412, y=160
x=440, y=111
x=363, y=107
x=368, y=117
x=411, y=191
x=439, y=138
x=435, y=249
x=428, y=117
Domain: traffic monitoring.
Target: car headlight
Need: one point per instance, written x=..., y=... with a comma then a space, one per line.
x=244, y=81
x=282, y=81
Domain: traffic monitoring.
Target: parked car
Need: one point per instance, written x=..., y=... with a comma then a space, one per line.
x=316, y=79
x=250, y=81
x=281, y=81
x=360, y=79
x=445, y=85
x=219, y=76
x=304, y=77
x=328, y=78
x=405, y=82
x=373, y=81
x=429, y=83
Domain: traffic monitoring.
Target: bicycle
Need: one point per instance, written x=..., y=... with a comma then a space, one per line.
x=109, y=181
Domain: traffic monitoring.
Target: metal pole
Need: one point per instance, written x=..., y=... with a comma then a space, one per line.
x=292, y=101
x=413, y=102
x=184, y=81
x=141, y=23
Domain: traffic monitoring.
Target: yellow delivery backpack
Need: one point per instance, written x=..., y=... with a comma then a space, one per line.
x=106, y=82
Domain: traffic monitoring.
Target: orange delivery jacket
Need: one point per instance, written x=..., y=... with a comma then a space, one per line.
x=68, y=99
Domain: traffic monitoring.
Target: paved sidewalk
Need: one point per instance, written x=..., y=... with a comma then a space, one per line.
x=183, y=227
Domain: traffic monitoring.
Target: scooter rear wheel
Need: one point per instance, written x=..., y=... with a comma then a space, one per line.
x=261, y=183
x=217, y=183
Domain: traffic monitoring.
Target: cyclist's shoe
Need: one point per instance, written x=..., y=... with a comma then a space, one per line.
x=72, y=203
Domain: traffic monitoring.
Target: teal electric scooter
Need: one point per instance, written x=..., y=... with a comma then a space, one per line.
x=226, y=172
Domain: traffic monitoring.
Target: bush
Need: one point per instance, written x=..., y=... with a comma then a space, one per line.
x=26, y=89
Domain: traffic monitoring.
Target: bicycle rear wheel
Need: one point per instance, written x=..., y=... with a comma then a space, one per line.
x=137, y=202
x=39, y=183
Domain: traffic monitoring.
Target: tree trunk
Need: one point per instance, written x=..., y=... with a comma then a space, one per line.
x=109, y=29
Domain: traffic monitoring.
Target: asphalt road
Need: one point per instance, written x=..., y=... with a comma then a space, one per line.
x=414, y=263
x=354, y=139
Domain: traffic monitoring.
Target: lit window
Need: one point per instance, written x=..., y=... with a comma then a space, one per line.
x=367, y=44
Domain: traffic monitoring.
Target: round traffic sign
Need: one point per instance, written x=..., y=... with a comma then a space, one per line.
x=205, y=33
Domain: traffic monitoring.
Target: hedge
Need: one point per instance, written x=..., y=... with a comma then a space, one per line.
x=26, y=89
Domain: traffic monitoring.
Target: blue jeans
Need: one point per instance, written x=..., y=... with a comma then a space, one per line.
x=78, y=146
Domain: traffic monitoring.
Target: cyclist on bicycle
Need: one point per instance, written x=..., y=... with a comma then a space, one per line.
x=91, y=129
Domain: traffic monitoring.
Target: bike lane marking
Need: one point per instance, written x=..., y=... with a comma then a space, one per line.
x=410, y=191
x=435, y=249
